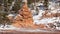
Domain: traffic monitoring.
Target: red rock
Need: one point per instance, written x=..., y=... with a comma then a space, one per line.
x=26, y=19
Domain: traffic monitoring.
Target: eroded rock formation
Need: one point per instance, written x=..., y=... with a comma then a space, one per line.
x=24, y=18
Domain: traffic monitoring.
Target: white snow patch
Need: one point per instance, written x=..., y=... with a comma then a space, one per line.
x=8, y=27
x=46, y=20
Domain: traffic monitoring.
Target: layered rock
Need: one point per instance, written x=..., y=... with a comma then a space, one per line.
x=24, y=19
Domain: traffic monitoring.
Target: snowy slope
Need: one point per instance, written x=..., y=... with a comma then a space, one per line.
x=46, y=20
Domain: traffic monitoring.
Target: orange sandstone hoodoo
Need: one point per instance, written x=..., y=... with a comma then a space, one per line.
x=24, y=19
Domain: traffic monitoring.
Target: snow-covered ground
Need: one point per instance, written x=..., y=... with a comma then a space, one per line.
x=7, y=27
x=53, y=20
x=46, y=20
x=10, y=27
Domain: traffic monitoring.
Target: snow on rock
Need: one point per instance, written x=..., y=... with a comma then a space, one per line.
x=58, y=28
x=54, y=11
x=38, y=4
x=46, y=20
x=33, y=12
x=39, y=15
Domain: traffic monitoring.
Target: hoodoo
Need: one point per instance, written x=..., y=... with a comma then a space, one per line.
x=24, y=18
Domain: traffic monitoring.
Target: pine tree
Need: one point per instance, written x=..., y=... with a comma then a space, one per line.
x=46, y=4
